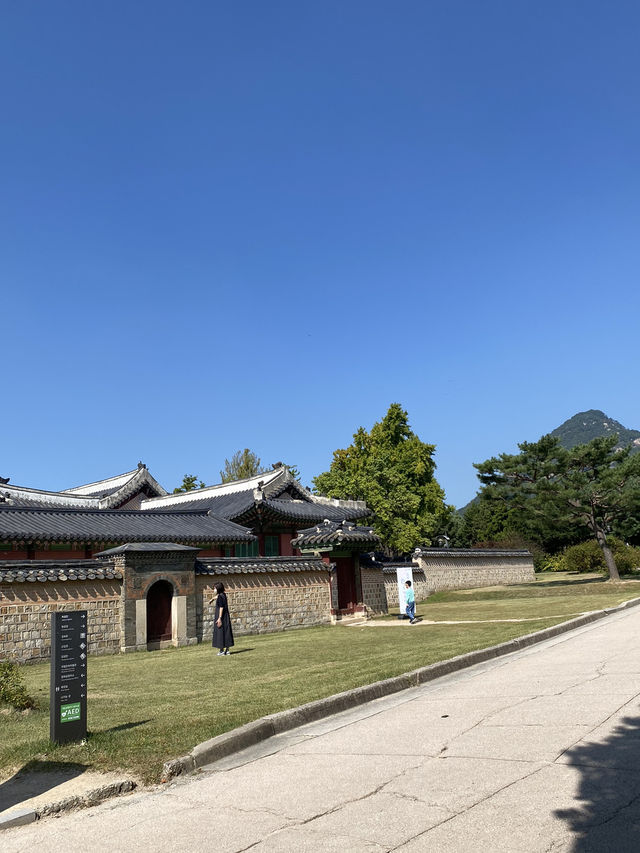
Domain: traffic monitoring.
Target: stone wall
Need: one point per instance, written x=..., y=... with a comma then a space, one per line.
x=420, y=588
x=435, y=569
x=25, y=616
x=374, y=594
x=264, y=602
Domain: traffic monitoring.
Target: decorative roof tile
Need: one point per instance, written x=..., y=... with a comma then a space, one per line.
x=51, y=571
x=335, y=533
x=240, y=565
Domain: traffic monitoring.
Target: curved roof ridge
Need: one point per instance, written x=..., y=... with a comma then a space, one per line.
x=218, y=490
x=59, y=499
x=108, y=482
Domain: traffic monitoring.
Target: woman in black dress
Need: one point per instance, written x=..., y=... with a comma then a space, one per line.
x=222, y=633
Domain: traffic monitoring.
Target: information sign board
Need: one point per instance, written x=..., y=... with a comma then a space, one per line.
x=68, y=714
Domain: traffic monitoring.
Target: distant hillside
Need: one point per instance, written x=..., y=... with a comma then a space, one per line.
x=585, y=426
x=582, y=428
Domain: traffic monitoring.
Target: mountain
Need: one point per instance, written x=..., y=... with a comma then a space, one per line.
x=585, y=426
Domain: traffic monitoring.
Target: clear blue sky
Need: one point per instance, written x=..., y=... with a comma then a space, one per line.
x=229, y=225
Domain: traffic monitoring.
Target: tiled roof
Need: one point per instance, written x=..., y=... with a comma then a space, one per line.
x=470, y=552
x=205, y=497
x=240, y=565
x=116, y=490
x=105, y=494
x=224, y=506
x=335, y=533
x=149, y=548
x=14, y=571
x=275, y=494
x=74, y=525
x=11, y=495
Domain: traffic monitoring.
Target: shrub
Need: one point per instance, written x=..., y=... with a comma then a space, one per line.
x=12, y=689
x=585, y=557
x=627, y=558
x=554, y=563
x=588, y=557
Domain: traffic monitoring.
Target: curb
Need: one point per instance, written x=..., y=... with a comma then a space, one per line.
x=19, y=817
x=252, y=733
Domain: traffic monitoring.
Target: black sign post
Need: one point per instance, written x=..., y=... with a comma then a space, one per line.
x=68, y=714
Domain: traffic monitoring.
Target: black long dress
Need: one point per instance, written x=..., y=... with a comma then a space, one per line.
x=223, y=636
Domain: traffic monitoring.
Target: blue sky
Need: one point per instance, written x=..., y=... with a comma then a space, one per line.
x=228, y=225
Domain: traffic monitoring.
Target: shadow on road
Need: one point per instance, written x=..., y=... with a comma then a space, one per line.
x=35, y=778
x=607, y=815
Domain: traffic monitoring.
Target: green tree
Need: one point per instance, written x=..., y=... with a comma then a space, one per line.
x=393, y=471
x=189, y=483
x=549, y=489
x=485, y=520
x=242, y=465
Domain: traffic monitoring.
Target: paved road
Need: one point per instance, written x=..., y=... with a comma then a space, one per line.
x=539, y=751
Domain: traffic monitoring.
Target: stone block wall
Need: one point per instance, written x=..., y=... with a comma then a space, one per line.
x=453, y=568
x=25, y=616
x=374, y=594
x=264, y=602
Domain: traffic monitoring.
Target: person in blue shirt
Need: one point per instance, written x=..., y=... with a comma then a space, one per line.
x=411, y=602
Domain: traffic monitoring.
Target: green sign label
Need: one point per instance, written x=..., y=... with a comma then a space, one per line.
x=69, y=712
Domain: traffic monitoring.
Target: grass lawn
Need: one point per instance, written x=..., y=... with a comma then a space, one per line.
x=145, y=708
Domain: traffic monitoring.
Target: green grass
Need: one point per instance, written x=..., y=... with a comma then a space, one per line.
x=145, y=708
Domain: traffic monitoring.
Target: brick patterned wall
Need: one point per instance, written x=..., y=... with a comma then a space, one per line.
x=25, y=616
x=264, y=602
x=374, y=595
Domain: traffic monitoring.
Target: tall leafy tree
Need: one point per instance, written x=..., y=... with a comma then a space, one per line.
x=189, y=483
x=242, y=465
x=593, y=487
x=393, y=471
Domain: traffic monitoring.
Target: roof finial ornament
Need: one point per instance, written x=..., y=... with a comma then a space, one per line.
x=141, y=465
x=4, y=480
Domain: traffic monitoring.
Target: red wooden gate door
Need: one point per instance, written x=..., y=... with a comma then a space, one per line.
x=159, y=612
x=347, y=597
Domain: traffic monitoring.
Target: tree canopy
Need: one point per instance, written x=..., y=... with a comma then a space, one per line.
x=242, y=465
x=189, y=483
x=393, y=471
x=549, y=490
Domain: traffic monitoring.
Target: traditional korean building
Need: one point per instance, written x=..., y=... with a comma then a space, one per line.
x=144, y=562
x=274, y=505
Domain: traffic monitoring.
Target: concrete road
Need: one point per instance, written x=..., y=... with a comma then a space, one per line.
x=539, y=751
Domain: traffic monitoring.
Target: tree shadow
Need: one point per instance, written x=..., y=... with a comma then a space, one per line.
x=35, y=778
x=577, y=581
x=607, y=814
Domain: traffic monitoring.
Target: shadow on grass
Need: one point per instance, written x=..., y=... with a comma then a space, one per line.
x=121, y=728
x=607, y=812
x=241, y=651
x=576, y=581
x=35, y=778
